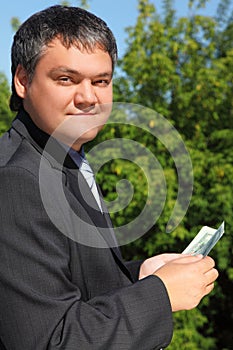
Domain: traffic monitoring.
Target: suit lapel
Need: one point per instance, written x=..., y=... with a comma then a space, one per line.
x=74, y=182
x=78, y=186
x=102, y=222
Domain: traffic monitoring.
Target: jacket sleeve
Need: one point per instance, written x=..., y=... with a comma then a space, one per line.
x=134, y=268
x=41, y=308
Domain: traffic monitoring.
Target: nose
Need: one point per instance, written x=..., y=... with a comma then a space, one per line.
x=85, y=95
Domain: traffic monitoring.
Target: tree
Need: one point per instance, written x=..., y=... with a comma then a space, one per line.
x=82, y=3
x=15, y=21
x=182, y=68
x=6, y=114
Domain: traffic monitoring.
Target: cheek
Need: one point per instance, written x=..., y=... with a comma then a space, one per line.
x=49, y=95
x=46, y=107
x=105, y=95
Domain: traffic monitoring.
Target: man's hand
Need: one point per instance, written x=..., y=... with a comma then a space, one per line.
x=187, y=280
x=149, y=266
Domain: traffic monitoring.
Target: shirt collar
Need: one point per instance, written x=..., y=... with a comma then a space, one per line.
x=77, y=157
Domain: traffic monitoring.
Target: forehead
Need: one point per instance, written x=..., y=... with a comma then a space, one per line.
x=57, y=54
x=82, y=46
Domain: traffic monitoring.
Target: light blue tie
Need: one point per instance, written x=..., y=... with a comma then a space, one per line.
x=89, y=177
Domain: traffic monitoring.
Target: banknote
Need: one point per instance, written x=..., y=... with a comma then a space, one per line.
x=205, y=240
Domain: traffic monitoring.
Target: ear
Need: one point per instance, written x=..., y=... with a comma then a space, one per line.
x=21, y=81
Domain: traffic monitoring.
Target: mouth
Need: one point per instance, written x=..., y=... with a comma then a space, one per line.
x=86, y=113
x=83, y=114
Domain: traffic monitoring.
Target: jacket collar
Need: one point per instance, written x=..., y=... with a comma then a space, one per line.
x=24, y=125
x=59, y=158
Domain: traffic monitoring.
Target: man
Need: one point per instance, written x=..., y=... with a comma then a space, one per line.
x=57, y=292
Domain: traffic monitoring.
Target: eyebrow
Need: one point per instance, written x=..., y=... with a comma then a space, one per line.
x=67, y=70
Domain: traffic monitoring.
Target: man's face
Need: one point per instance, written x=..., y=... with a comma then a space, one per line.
x=71, y=92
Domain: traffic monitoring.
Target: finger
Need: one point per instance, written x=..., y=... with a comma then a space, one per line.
x=170, y=256
x=184, y=258
x=208, y=263
x=211, y=276
x=209, y=288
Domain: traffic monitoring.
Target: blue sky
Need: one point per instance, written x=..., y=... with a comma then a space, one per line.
x=118, y=14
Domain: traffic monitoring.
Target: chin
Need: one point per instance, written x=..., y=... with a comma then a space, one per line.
x=87, y=137
x=90, y=135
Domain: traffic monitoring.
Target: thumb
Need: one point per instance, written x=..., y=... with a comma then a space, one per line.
x=188, y=259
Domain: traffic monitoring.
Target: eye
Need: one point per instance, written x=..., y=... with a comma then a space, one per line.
x=65, y=80
x=102, y=82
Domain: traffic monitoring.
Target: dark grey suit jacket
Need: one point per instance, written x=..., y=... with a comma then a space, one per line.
x=55, y=291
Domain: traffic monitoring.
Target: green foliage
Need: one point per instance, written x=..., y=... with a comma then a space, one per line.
x=183, y=69
x=81, y=3
x=5, y=113
x=185, y=337
x=65, y=3
x=15, y=23
x=84, y=4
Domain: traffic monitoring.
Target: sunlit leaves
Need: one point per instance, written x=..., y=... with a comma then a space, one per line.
x=5, y=113
x=183, y=68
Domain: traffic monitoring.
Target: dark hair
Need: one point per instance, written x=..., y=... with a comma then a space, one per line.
x=72, y=25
